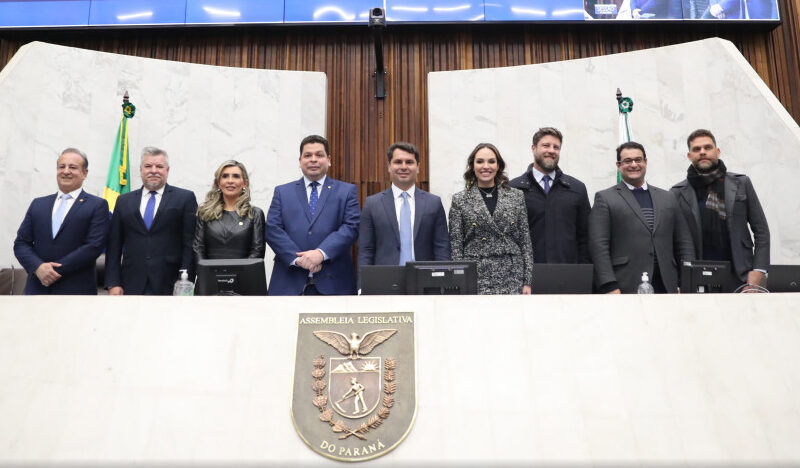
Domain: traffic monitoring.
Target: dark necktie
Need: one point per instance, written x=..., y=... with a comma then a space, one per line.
x=313, y=198
x=546, y=180
x=150, y=210
x=647, y=209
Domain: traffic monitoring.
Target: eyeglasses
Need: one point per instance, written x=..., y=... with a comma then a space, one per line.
x=629, y=161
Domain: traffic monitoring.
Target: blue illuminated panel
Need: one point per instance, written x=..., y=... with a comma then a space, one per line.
x=44, y=13
x=234, y=11
x=82, y=13
x=534, y=10
x=730, y=10
x=135, y=12
x=434, y=10
x=329, y=11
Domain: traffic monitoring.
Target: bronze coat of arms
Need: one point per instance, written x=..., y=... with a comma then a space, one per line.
x=354, y=393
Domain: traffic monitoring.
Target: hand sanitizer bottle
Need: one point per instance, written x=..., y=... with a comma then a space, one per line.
x=183, y=287
x=645, y=287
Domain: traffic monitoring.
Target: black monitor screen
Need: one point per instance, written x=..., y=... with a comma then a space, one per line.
x=231, y=277
x=382, y=279
x=705, y=276
x=442, y=277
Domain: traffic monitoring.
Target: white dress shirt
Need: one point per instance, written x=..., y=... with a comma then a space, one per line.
x=146, y=197
x=631, y=187
x=308, y=181
x=73, y=196
x=540, y=175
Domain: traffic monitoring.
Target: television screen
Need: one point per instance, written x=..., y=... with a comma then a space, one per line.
x=705, y=276
x=121, y=13
x=442, y=277
x=231, y=277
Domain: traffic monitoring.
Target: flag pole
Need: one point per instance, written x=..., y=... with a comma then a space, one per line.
x=625, y=107
x=118, y=179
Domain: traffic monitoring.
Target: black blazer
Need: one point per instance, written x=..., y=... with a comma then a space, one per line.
x=136, y=256
x=230, y=236
x=743, y=208
x=76, y=246
x=558, y=221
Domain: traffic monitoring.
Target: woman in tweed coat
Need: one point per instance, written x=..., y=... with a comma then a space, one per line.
x=489, y=224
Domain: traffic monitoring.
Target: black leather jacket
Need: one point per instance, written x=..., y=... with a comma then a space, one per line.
x=231, y=236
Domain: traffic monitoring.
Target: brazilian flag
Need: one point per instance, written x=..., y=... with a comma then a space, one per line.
x=118, y=180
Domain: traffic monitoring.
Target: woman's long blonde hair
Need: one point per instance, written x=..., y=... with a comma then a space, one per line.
x=212, y=207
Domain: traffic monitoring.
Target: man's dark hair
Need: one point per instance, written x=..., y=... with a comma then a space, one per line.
x=700, y=132
x=405, y=146
x=315, y=139
x=552, y=131
x=630, y=145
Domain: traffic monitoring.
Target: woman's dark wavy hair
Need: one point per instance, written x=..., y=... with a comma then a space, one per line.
x=500, y=179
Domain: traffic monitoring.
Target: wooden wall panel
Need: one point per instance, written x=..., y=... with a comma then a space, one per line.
x=361, y=127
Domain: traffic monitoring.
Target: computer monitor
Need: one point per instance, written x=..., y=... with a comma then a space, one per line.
x=382, y=280
x=784, y=278
x=231, y=277
x=442, y=277
x=706, y=276
x=562, y=278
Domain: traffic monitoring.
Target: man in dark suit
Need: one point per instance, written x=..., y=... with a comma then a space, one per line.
x=718, y=206
x=403, y=223
x=557, y=204
x=151, y=233
x=636, y=228
x=63, y=234
x=312, y=224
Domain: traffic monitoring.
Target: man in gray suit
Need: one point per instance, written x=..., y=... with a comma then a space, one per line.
x=635, y=228
x=403, y=223
x=718, y=206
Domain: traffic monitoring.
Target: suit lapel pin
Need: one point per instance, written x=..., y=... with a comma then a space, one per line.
x=329, y=187
x=80, y=200
x=241, y=223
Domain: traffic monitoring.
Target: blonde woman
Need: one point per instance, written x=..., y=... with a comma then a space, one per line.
x=228, y=226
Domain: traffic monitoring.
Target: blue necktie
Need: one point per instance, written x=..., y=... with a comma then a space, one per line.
x=406, y=254
x=313, y=198
x=546, y=180
x=58, y=217
x=149, y=210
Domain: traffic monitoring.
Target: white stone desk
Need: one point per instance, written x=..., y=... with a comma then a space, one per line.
x=686, y=380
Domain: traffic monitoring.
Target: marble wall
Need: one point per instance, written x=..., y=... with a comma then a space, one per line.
x=52, y=97
x=675, y=89
x=674, y=380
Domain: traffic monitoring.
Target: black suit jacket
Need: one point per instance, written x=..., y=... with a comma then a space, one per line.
x=623, y=246
x=742, y=208
x=136, y=256
x=76, y=246
x=558, y=221
x=379, y=233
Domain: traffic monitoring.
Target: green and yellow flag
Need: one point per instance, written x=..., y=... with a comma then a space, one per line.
x=118, y=180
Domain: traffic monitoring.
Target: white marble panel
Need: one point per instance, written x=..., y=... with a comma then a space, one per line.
x=52, y=97
x=587, y=381
x=676, y=89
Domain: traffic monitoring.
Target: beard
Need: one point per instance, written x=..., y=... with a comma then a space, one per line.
x=706, y=170
x=546, y=163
